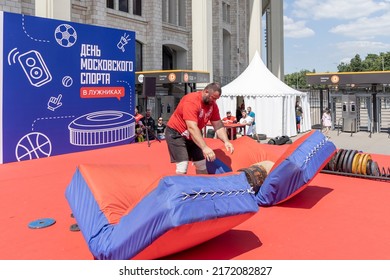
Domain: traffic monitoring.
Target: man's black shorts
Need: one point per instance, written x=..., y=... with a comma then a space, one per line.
x=180, y=148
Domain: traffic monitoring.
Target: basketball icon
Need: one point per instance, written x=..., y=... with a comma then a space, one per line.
x=33, y=145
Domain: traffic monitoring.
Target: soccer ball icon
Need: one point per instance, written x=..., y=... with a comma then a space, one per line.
x=66, y=35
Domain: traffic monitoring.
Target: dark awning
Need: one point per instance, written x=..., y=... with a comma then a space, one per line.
x=174, y=76
x=349, y=78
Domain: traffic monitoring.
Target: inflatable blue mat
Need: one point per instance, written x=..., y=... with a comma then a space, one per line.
x=178, y=213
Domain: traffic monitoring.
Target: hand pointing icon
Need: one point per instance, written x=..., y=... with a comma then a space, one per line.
x=54, y=102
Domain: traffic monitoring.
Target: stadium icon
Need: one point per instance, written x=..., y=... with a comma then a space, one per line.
x=102, y=127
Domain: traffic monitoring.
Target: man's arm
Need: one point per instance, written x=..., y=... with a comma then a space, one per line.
x=220, y=130
x=221, y=134
x=197, y=137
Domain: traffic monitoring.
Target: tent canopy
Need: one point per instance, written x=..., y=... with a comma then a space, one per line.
x=271, y=100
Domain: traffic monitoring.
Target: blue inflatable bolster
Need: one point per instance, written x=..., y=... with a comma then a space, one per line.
x=291, y=174
x=217, y=167
x=177, y=200
x=296, y=171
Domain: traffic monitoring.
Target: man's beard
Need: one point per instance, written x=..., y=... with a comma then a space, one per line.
x=206, y=101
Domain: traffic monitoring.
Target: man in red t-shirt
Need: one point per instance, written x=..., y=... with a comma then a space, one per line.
x=184, y=129
x=229, y=119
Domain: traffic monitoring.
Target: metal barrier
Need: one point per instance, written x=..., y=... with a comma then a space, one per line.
x=371, y=129
x=338, y=126
x=349, y=113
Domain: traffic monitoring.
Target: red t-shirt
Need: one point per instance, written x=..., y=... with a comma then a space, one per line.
x=138, y=117
x=192, y=108
x=232, y=119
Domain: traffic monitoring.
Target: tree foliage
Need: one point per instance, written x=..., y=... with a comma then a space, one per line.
x=372, y=62
x=297, y=80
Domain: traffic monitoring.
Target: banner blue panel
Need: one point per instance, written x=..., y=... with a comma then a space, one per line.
x=66, y=87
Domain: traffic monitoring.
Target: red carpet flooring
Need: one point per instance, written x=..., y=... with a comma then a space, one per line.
x=335, y=217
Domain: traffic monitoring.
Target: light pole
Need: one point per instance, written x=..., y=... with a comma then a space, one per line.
x=383, y=63
x=383, y=69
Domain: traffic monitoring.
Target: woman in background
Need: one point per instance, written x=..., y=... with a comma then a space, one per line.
x=298, y=115
x=160, y=128
x=326, y=122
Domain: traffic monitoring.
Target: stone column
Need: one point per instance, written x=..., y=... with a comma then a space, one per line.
x=202, y=48
x=276, y=41
x=53, y=9
x=254, y=38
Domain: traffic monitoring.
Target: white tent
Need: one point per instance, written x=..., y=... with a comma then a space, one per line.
x=272, y=100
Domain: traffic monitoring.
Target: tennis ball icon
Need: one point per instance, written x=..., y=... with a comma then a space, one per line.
x=67, y=81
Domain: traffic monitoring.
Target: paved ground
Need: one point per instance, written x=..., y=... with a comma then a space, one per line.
x=378, y=143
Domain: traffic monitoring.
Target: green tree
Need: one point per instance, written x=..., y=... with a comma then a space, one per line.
x=297, y=79
x=372, y=62
x=356, y=64
x=344, y=67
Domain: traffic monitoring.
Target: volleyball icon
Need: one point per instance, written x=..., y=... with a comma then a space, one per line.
x=66, y=35
x=33, y=145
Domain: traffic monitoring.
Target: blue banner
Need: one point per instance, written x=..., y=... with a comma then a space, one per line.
x=66, y=87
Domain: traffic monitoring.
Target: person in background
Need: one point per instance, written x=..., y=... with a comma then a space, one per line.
x=137, y=115
x=139, y=127
x=160, y=128
x=298, y=116
x=253, y=116
x=238, y=114
x=184, y=129
x=326, y=122
x=229, y=119
x=247, y=120
x=149, y=125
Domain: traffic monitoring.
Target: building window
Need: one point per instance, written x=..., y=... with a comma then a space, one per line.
x=226, y=12
x=169, y=56
x=138, y=56
x=164, y=10
x=182, y=13
x=137, y=7
x=174, y=12
x=124, y=5
x=110, y=4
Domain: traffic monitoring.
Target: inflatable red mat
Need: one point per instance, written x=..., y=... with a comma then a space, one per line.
x=334, y=217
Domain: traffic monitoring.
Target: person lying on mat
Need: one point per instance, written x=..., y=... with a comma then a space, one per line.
x=184, y=129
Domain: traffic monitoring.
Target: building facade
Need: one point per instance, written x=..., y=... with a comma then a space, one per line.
x=217, y=36
x=164, y=28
